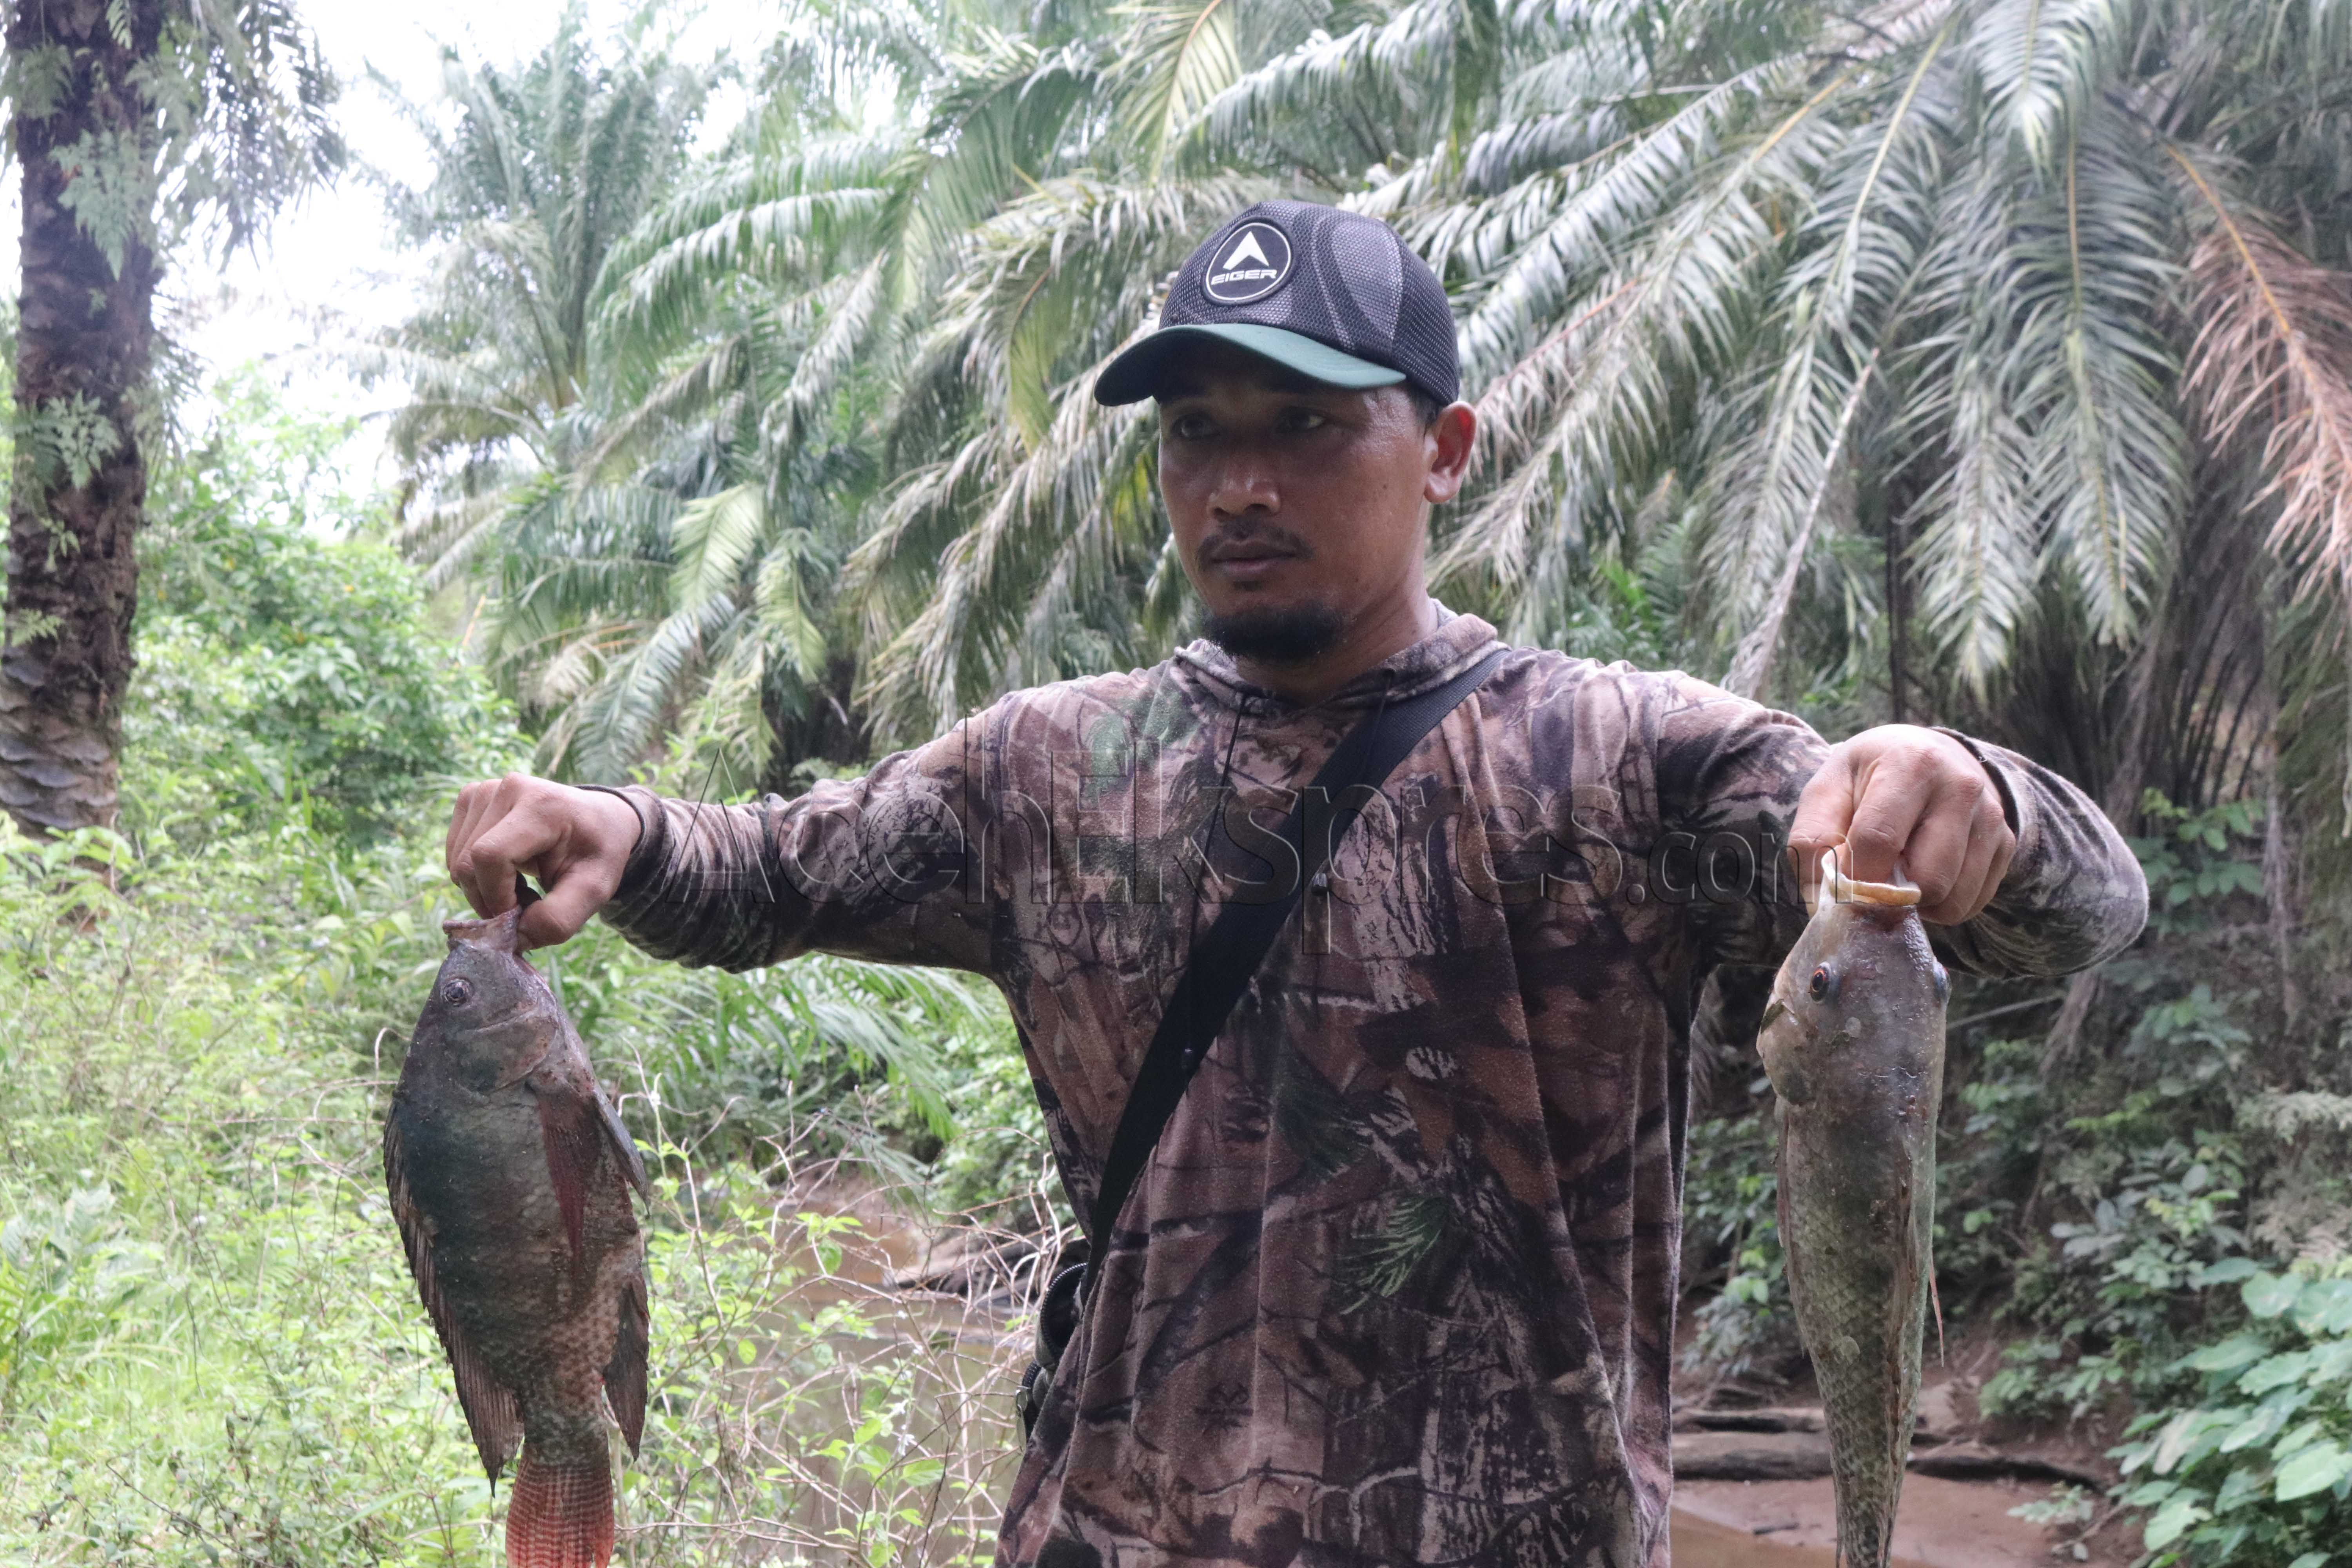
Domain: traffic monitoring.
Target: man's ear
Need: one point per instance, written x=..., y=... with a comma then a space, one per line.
x=1449, y=443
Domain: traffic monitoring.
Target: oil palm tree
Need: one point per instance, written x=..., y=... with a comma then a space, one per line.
x=543, y=170
x=1912, y=356
x=776, y=345
x=1980, y=357
x=138, y=127
x=771, y=308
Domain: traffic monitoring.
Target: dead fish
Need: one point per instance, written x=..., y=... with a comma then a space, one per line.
x=1854, y=1043
x=509, y=1173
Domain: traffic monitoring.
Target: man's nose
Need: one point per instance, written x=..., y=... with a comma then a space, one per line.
x=1244, y=484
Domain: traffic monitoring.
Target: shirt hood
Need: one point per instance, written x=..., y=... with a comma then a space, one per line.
x=1457, y=643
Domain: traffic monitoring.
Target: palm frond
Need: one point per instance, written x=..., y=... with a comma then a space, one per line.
x=1581, y=421
x=2042, y=63
x=1174, y=58
x=2122, y=473
x=2271, y=362
x=713, y=537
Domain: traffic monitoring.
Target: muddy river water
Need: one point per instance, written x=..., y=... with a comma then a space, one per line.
x=1942, y=1524
x=1701, y=1543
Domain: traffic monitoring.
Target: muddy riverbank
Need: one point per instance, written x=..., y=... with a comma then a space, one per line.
x=1754, y=1490
x=1942, y=1524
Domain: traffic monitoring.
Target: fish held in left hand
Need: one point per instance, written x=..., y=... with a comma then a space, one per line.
x=510, y=1174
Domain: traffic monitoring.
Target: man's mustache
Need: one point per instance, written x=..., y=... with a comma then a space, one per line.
x=1258, y=536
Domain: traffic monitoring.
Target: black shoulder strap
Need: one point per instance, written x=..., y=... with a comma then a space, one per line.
x=1228, y=955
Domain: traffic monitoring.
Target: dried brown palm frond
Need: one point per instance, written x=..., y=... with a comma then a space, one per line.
x=2271, y=362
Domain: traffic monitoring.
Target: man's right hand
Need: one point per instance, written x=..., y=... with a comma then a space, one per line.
x=575, y=843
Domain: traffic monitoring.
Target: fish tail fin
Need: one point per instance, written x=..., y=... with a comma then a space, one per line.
x=562, y=1516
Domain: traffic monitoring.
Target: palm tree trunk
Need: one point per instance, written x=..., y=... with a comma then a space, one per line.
x=85, y=328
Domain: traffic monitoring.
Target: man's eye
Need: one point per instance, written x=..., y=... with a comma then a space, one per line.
x=1304, y=419
x=1187, y=427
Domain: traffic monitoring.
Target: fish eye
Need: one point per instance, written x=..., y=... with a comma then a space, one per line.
x=1821, y=983
x=457, y=993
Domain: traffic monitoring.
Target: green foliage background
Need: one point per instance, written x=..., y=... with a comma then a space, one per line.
x=1985, y=360
x=210, y=1351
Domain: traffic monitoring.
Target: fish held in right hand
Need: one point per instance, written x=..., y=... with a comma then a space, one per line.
x=509, y=1173
x=1854, y=1043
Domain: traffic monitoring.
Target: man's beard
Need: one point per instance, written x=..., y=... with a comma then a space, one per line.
x=1285, y=637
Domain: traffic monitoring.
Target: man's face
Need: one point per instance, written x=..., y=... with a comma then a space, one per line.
x=1298, y=508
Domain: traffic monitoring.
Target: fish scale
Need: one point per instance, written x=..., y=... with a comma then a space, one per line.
x=1854, y=1043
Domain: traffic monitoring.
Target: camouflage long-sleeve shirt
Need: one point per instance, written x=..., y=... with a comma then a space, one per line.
x=1399, y=1284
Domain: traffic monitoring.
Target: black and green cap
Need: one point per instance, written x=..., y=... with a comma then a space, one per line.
x=1335, y=295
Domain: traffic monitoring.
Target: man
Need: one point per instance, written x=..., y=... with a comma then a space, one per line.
x=1398, y=1284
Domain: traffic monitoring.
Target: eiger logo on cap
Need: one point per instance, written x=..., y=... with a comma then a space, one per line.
x=1252, y=262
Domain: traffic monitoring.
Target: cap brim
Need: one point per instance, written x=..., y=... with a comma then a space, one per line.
x=1137, y=373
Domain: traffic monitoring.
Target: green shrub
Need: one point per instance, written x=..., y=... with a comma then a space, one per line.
x=2105, y=1212
x=285, y=665
x=211, y=1351
x=1730, y=1193
x=210, y=1348
x=2255, y=1468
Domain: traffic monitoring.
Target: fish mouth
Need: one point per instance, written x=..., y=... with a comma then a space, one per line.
x=501, y=1018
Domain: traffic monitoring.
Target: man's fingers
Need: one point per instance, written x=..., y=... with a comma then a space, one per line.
x=1892, y=802
x=471, y=814
x=1971, y=885
x=460, y=814
x=1906, y=800
x=1937, y=857
x=488, y=887
x=1822, y=813
x=1991, y=839
x=2004, y=850
x=576, y=843
x=582, y=890
x=506, y=849
x=511, y=835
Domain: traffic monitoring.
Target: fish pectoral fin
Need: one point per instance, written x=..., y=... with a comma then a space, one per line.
x=1935, y=1304
x=1773, y=1013
x=568, y=1126
x=624, y=1147
x=1792, y=1268
x=625, y=1375
x=492, y=1415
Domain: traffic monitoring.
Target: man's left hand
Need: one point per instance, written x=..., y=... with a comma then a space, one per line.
x=1903, y=794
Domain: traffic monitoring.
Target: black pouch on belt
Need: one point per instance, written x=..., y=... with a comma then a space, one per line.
x=1222, y=962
